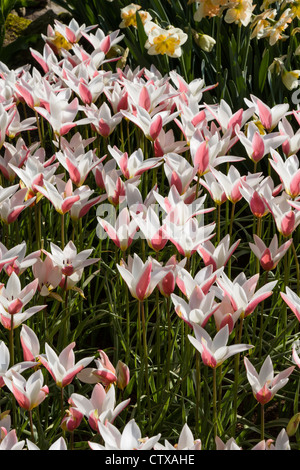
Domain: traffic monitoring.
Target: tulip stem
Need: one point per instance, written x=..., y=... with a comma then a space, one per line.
x=31, y=426
x=62, y=402
x=238, y=336
x=215, y=401
x=219, y=224
x=230, y=234
x=262, y=422
x=62, y=231
x=11, y=340
x=297, y=267
x=145, y=357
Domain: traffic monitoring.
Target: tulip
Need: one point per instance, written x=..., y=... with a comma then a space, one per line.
x=30, y=343
x=269, y=117
x=141, y=278
x=72, y=419
x=133, y=165
x=198, y=310
x=292, y=300
x=62, y=367
x=219, y=255
x=47, y=274
x=28, y=393
x=264, y=385
x=122, y=234
x=241, y=292
x=129, y=439
x=215, y=351
x=186, y=441
x=269, y=257
x=101, y=407
x=104, y=373
x=68, y=259
x=10, y=442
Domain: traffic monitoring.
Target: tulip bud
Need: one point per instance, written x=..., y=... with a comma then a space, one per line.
x=123, y=375
x=292, y=427
x=71, y=420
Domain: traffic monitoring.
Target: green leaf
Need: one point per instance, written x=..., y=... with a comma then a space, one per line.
x=263, y=70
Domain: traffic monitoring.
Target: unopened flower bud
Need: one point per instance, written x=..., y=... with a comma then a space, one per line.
x=205, y=42
x=123, y=375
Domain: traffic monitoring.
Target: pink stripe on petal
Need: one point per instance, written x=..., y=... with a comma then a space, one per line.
x=201, y=159
x=68, y=203
x=264, y=395
x=70, y=35
x=66, y=128
x=69, y=377
x=105, y=44
x=14, y=214
x=207, y=258
x=288, y=224
x=258, y=147
x=207, y=358
x=144, y=99
x=104, y=128
x=143, y=282
x=85, y=93
x=292, y=306
x=253, y=304
x=73, y=171
x=21, y=398
x=15, y=306
x=155, y=127
x=264, y=114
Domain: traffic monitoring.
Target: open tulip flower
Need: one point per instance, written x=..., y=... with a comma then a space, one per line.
x=292, y=300
x=20, y=262
x=62, y=367
x=122, y=234
x=264, y=384
x=186, y=441
x=11, y=442
x=241, y=291
x=68, y=259
x=215, y=351
x=135, y=164
x=129, y=439
x=198, y=310
x=5, y=370
x=28, y=393
x=101, y=407
x=219, y=255
x=141, y=278
x=270, y=256
x=104, y=372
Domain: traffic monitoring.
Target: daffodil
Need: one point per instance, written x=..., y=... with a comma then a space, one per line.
x=239, y=12
x=128, y=15
x=165, y=41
